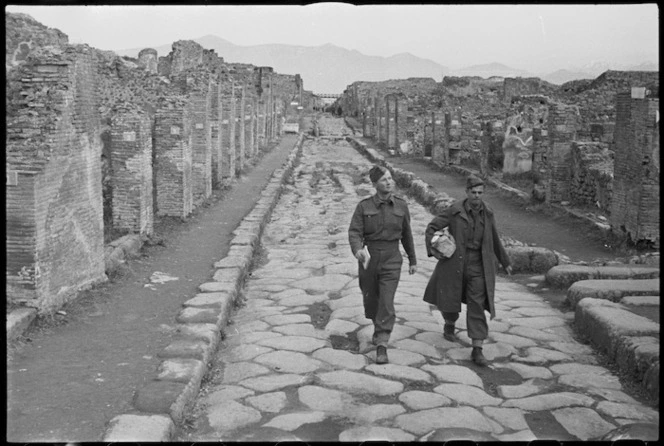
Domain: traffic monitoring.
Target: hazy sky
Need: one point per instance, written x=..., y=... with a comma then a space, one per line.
x=531, y=37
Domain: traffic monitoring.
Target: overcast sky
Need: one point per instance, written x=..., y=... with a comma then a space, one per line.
x=531, y=37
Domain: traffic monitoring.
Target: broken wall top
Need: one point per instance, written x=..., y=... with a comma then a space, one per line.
x=23, y=34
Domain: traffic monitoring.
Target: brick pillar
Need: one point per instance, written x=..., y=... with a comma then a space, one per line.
x=563, y=120
x=635, y=205
x=437, y=138
x=485, y=144
x=201, y=167
x=216, y=134
x=173, y=158
x=131, y=164
x=227, y=132
x=389, y=123
x=240, y=138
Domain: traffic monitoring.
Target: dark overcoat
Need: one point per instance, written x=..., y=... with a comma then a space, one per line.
x=446, y=283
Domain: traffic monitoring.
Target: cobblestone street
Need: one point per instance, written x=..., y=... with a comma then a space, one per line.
x=297, y=361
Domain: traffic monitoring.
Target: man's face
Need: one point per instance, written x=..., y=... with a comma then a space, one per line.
x=385, y=184
x=475, y=194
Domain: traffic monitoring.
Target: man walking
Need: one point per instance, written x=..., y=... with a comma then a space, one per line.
x=378, y=224
x=469, y=275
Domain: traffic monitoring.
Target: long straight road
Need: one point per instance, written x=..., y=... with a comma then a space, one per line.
x=297, y=361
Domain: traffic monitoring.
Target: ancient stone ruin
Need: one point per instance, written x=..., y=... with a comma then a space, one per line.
x=99, y=145
x=593, y=144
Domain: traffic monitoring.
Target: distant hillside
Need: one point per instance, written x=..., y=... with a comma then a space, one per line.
x=324, y=69
x=560, y=77
x=489, y=70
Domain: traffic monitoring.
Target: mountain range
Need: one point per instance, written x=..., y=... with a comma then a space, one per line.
x=330, y=69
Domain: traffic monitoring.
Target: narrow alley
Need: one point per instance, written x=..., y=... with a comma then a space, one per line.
x=297, y=363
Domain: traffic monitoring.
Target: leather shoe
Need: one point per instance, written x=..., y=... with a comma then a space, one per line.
x=381, y=354
x=448, y=333
x=478, y=357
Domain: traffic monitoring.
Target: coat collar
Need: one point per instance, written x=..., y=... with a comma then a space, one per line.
x=377, y=201
x=458, y=207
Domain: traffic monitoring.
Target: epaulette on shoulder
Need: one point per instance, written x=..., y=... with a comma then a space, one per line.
x=368, y=197
x=398, y=197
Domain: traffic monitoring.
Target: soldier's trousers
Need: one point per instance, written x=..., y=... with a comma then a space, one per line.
x=379, y=284
x=474, y=296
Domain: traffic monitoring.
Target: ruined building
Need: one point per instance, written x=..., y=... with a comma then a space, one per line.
x=563, y=138
x=98, y=146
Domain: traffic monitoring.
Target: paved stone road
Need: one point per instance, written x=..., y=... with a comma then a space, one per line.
x=297, y=362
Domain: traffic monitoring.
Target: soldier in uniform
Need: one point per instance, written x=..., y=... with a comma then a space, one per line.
x=469, y=275
x=379, y=223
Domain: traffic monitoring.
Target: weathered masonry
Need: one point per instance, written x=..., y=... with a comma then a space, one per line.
x=563, y=138
x=98, y=146
x=635, y=204
x=54, y=215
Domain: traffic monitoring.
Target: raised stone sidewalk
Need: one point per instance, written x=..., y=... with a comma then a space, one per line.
x=563, y=276
x=284, y=372
x=161, y=404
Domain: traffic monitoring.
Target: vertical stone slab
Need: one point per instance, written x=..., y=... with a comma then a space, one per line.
x=438, y=122
x=131, y=164
x=173, y=157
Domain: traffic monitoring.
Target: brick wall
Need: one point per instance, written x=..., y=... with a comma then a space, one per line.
x=53, y=194
x=173, y=157
x=240, y=137
x=591, y=175
x=635, y=206
x=131, y=163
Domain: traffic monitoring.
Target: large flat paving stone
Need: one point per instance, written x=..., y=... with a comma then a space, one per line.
x=375, y=433
x=232, y=415
x=424, y=421
x=582, y=422
x=360, y=383
x=303, y=344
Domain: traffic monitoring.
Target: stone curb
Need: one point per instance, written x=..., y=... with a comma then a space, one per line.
x=612, y=290
x=629, y=340
x=525, y=259
x=563, y=276
x=202, y=322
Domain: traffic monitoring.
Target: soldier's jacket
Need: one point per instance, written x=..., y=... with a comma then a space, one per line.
x=374, y=220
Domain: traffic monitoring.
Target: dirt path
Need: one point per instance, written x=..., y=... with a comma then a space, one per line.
x=73, y=374
x=570, y=237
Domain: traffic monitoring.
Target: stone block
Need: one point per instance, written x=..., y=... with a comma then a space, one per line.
x=139, y=428
x=606, y=323
x=612, y=290
x=186, y=348
x=181, y=370
x=158, y=396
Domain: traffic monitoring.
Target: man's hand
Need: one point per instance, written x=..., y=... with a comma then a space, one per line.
x=412, y=269
x=359, y=255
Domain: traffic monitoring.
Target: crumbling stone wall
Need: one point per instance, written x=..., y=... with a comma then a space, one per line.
x=23, y=34
x=131, y=164
x=635, y=205
x=596, y=100
x=592, y=175
x=53, y=193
